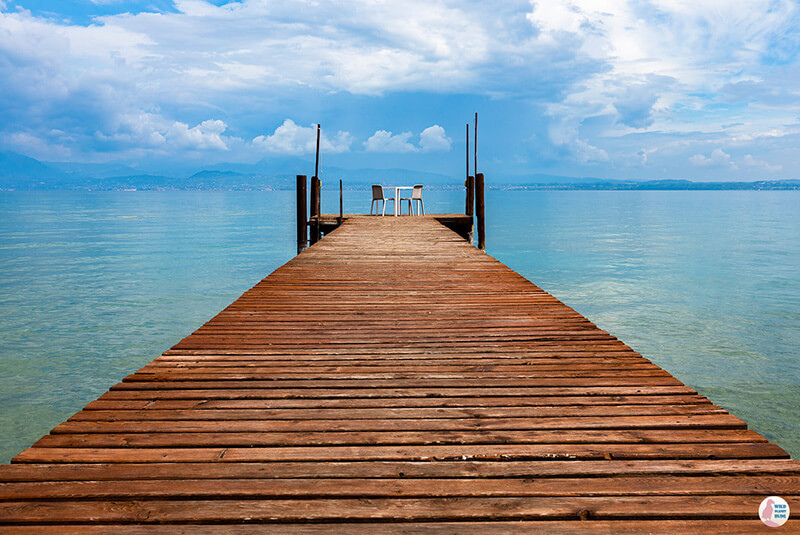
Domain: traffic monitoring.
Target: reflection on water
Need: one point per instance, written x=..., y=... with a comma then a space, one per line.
x=95, y=285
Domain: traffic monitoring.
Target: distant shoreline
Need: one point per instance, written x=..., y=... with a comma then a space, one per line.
x=662, y=185
x=655, y=185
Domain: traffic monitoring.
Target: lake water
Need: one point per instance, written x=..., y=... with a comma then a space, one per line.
x=705, y=284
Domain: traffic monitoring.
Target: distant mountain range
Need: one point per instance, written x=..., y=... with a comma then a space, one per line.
x=19, y=172
x=605, y=184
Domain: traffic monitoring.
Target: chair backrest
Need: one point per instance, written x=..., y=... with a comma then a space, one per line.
x=416, y=193
x=377, y=192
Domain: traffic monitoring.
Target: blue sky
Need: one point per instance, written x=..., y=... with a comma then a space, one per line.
x=632, y=89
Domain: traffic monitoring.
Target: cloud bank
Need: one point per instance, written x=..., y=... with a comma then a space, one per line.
x=432, y=139
x=606, y=82
x=290, y=138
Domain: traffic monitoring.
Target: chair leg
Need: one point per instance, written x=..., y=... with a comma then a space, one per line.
x=384, y=207
x=420, y=206
x=371, y=205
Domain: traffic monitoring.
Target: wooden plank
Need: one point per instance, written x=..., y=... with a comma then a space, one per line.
x=471, y=413
x=341, y=438
x=105, y=403
x=246, y=390
x=397, y=469
x=598, y=527
x=720, y=421
x=397, y=509
x=403, y=488
x=432, y=453
x=567, y=382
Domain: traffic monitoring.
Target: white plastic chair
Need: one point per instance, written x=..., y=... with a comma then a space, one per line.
x=416, y=195
x=377, y=195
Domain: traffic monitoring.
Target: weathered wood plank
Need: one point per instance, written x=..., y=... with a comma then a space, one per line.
x=433, y=453
x=397, y=469
x=471, y=413
x=342, y=438
x=708, y=421
x=385, y=488
x=105, y=403
x=403, y=509
x=598, y=527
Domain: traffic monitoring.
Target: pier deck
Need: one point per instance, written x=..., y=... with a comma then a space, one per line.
x=394, y=379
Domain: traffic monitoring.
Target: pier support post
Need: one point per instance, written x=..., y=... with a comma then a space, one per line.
x=315, y=209
x=479, y=211
x=341, y=203
x=302, y=219
x=470, y=209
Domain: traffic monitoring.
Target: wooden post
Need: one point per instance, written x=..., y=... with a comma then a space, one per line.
x=479, y=211
x=302, y=219
x=341, y=203
x=470, y=196
x=315, y=209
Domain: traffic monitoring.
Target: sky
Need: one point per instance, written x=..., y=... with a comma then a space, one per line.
x=623, y=89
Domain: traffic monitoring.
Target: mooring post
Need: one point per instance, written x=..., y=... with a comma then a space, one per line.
x=470, y=211
x=315, y=209
x=302, y=219
x=479, y=211
x=341, y=203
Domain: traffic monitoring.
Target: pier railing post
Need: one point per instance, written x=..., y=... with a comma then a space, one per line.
x=479, y=211
x=341, y=203
x=470, y=209
x=302, y=219
x=315, y=209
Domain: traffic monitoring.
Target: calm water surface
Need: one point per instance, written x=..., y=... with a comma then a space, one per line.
x=95, y=285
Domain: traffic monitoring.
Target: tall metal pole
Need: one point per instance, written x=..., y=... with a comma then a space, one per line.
x=468, y=183
x=475, y=166
x=316, y=163
x=467, y=150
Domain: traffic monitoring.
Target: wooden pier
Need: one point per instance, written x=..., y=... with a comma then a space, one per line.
x=395, y=379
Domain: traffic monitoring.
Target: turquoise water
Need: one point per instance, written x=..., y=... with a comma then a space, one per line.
x=95, y=285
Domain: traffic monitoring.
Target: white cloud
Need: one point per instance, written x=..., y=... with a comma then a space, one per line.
x=718, y=158
x=152, y=132
x=291, y=138
x=662, y=62
x=38, y=146
x=749, y=161
x=105, y=2
x=564, y=134
x=434, y=139
x=206, y=135
x=383, y=141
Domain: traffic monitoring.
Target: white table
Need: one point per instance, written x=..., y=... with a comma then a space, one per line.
x=397, y=196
